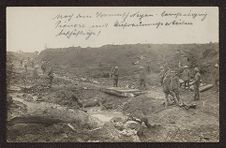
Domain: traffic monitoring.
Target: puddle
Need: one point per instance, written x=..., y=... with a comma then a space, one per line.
x=104, y=116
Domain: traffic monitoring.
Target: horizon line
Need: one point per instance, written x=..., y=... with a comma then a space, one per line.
x=112, y=45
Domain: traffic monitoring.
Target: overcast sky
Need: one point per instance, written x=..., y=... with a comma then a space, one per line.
x=33, y=28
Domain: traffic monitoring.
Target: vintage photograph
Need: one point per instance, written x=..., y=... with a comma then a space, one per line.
x=112, y=74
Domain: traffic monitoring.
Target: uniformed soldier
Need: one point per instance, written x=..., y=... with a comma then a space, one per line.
x=35, y=72
x=115, y=74
x=21, y=63
x=25, y=66
x=32, y=64
x=166, y=81
x=171, y=87
x=149, y=68
x=196, y=84
x=161, y=74
x=175, y=87
x=186, y=77
x=43, y=67
x=143, y=77
x=216, y=77
x=50, y=77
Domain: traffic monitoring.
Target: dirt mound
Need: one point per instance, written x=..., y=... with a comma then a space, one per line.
x=143, y=104
x=38, y=133
x=97, y=62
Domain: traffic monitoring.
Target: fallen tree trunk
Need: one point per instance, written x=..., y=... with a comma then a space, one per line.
x=33, y=119
x=49, y=113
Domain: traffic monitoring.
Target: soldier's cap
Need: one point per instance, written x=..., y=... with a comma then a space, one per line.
x=185, y=66
x=216, y=65
x=116, y=67
x=196, y=69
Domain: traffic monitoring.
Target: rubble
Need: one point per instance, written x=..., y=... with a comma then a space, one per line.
x=109, y=114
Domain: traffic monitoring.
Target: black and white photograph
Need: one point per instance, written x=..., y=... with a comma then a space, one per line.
x=112, y=74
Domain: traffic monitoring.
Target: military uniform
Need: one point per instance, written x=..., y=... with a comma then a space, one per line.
x=161, y=75
x=175, y=85
x=171, y=86
x=35, y=73
x=186, y=77
x=50, y=76
x=196, y=86
x=25, y=66
x=115, y=77
x=43, y=67
x=143, y=77
x=216, y=77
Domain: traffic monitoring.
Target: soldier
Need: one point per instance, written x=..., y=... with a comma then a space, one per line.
x=161, y=74
x=32, y=64
x=25, y=66
x=175, y=86
x=186, y=77
x=35, y=72
x=171, y=86
x=43, y=67
x=166, y=80
x=50, y=77
x=143, y=78
x=21, y=62
x=196, y=84
x=149, y=68
x=216, y=77
x=115, y=74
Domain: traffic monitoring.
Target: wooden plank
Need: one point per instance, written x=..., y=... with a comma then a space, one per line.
x=206, y=87
x=123, y=90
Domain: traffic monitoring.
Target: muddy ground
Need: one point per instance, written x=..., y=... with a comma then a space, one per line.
x=172, y=124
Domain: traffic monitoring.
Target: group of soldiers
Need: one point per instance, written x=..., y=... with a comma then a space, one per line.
x=44, y=68
x=170, y=81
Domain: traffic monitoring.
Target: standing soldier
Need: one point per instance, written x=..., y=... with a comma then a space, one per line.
x=216, y=76
x=21, y=62
x=186, y=77
x=35, y=72
x=50, y=77
x=32, y=64
x=196, y=83
x=175, y=87
x=115, y=74
x=25, y=66
x=149, y=68
x=43, y=67
x=161, y=74
x=143, y=78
